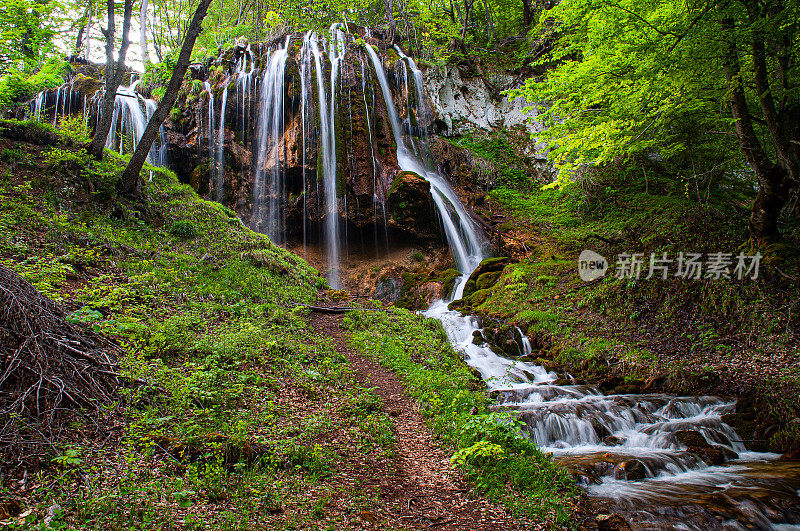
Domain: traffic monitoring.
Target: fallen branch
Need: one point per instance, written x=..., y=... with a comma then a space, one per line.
x=339, y=309
x=610, y=241
x=51, y=370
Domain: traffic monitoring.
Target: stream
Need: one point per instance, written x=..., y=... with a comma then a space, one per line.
x=630, y=451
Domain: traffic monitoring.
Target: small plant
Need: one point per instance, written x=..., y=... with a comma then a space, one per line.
x=74, y=129
x=480, y=453
x=71, y=458
x=185, y=230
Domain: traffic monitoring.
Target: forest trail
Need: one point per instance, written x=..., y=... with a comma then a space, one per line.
x=418, y=487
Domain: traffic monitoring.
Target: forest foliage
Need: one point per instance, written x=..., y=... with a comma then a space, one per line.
x=704, y=93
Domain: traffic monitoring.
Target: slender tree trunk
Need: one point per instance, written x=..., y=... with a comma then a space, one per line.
x=83, y=30
x=89, y=32
x=527, y=14
x=467, y=11
x=115, y=70
x=130, y=184
x=388, y=7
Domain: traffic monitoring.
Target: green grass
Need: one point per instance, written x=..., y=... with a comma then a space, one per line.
x=229, y=430
x=490, y=448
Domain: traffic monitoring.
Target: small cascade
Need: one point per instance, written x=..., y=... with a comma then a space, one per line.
x=306, y=116
x=158, y=151
x=128, y=121
x=268, y=197
x=422, y=108
x=210, y=130
x=218, y=160
x=327, y=133
x=466, y=241
x=244, y=82
x=378, y=200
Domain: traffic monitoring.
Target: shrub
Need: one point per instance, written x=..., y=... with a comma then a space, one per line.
x=185, y=230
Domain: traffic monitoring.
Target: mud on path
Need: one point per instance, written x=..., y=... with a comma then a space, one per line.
x=418, y=487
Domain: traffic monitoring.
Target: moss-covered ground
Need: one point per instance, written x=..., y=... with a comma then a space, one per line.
x=247, y=417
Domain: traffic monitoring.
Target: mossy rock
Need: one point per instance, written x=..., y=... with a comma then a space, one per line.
x=87, y=86
x=448, y=279
x=488, y=265
x=487, y=280
x=479, y=297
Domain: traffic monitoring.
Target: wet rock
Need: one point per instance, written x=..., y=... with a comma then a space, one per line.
x=87, y=86
x=388, y=289
x=631, y=470
x=692, y=439
x=487, y=280
x=611, y=522
x=714, y=454
x=488, y=265
x=601, y=430
x=711, y=454
x=792, y=455
x=411, y=206
x=477, y=338
x=613, y=440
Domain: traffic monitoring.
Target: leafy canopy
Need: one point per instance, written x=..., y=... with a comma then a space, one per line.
x=637, y=77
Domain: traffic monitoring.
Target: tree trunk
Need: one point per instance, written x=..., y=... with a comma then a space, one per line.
x=527, y=14
x=115, y=70
x=771, y=177
x=388, y=7
x=130, y=184
x=770, y=200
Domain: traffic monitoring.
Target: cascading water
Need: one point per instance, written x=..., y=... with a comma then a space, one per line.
x=128, y=121
x=630, y=451
x=211, y=129
x=218, y=159
x=328, y=153
x=377, y=201
x=268, y=197
x=467, y=243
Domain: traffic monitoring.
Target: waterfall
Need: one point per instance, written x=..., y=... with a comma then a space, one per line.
x=423, y=109
x=305, y=110
x=466, y=241
x=244, y=82
x=218, y=160
x=210, y=131
x=158, y=151
x=128, y=120
x=630, y=447
x=269, y=144
x=328, y=153
x=376, y=201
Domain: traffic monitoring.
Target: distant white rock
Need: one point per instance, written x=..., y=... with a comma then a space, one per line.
x=466, y=104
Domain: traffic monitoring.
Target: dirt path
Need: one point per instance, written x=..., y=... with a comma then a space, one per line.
x=418, y=488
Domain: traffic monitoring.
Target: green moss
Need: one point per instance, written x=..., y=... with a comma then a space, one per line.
x=487, y=280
